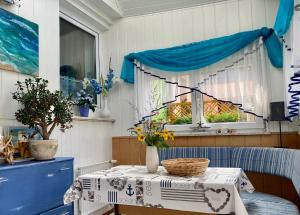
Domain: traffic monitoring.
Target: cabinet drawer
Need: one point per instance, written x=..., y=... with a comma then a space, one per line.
x=63, y=210
x=34, y=188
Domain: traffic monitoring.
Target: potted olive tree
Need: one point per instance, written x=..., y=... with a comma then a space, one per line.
x=42, y=110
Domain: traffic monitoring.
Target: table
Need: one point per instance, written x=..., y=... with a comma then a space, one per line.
x=217, y=191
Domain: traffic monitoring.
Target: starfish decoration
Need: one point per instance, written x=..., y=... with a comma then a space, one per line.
x=7, y=149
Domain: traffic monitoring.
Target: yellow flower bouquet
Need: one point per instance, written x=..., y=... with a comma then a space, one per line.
x=152, y=134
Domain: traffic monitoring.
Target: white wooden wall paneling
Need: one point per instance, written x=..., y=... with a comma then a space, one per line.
x=88, y=142
x=178, y=27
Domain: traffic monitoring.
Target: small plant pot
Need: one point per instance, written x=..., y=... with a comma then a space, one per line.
x=43, y=149
x=84, y=111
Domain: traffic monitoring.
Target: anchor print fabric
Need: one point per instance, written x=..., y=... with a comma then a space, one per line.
x=217, y=191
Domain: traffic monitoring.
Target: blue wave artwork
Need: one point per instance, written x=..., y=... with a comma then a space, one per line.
x=19, y=44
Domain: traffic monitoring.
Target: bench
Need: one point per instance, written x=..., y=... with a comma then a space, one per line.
x=273, y=161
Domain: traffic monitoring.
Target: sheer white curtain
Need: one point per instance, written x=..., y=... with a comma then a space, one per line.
x=240, y=79
x=243, y=83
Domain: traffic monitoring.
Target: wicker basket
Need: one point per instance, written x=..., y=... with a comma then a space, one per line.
x=186, y=166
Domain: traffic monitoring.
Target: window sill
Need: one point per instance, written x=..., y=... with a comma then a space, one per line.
x=220, y=129
x=93, y=119
x=214, y=133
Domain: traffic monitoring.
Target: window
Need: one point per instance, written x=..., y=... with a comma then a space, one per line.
x=215, y=111
x=178, y=112
x=185, y=100
x=190, y=109
x=216, y=115
x=221, y=115
x=78, y=55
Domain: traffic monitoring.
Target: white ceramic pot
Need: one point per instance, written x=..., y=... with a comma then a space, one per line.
x=43, y=149
x=104, y=111
x=75, y=110
x=152, y=160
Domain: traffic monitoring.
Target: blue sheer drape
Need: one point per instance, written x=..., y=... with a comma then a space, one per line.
x=284, y=16
x=201, y=54
x=274, y=49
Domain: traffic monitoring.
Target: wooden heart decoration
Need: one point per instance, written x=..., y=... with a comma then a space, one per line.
x=219, y=193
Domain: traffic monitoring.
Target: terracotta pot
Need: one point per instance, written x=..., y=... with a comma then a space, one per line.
x=43, y=149
x=152, y=160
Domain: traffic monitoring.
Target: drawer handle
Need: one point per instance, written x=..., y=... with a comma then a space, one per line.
x=2, y=180
x=66, y=213
x=65, y=169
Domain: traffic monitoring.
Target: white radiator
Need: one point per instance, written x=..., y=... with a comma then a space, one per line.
x=85, y=207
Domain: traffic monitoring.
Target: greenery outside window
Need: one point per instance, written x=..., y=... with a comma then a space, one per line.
x=193, y=108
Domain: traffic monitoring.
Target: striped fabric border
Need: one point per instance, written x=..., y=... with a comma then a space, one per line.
x=182, y=195
x=87, y=184
x=166, y=183
x=112, y=196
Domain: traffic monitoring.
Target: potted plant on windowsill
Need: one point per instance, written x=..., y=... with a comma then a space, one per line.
x=154, y=136
x=42, y=110
x=85, y=103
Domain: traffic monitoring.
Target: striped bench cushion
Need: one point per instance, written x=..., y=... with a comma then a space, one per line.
x=264, y=204
x=274, y=161
x=218, y=156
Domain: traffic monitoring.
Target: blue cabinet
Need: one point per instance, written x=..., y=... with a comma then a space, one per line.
x=35, y=187
x=62, y=210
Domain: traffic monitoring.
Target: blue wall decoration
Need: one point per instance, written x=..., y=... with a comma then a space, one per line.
x=19, y=44
x=293, y=105
x=201, y=54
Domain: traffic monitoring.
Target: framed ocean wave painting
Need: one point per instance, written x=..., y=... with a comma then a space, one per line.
x=19, y=44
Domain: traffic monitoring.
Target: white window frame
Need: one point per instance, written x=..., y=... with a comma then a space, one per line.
x=197, y=114
x=93, y=32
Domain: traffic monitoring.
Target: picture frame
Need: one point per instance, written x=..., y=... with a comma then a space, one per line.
x=19, y=50
x=20, y=140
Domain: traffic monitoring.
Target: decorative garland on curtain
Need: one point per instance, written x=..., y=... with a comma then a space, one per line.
x=193, y=89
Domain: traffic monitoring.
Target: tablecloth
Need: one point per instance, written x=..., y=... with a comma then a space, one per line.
x=217, y=191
